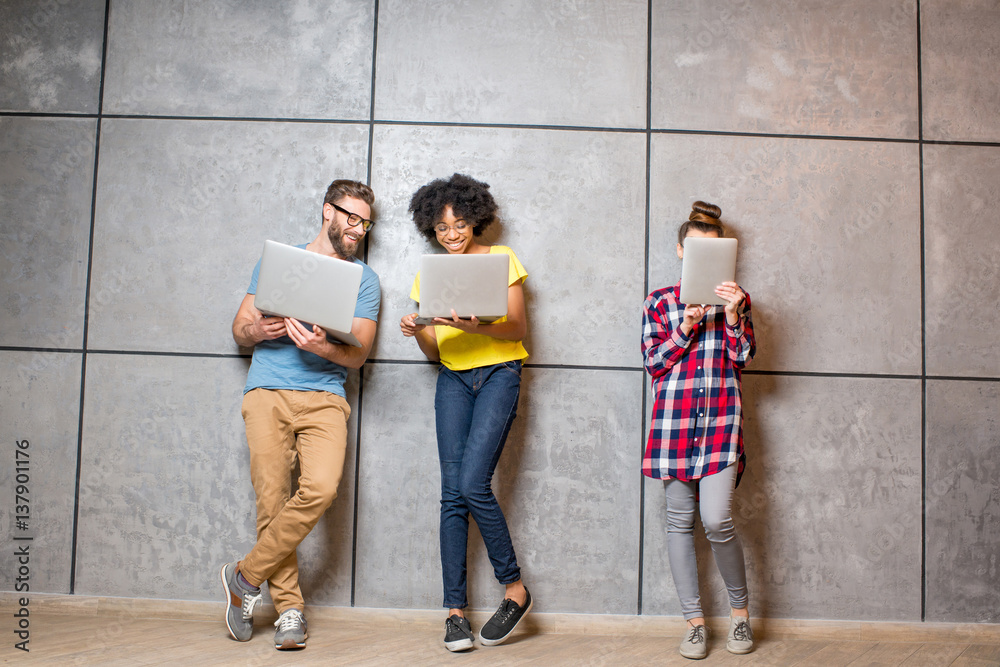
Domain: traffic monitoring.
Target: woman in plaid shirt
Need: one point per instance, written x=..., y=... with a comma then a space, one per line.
x=695, y=354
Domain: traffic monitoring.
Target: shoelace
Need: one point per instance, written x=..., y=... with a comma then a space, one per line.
x=696, y=635
x=742, y=631
x=250, y=602
x=506, y=610
x=289, y=620
x=452, y=625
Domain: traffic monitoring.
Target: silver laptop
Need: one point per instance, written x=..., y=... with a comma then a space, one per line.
x=707, y=263
x=313, y=288
x=469, y=284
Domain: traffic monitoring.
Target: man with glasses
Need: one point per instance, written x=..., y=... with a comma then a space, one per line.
x=295, y=407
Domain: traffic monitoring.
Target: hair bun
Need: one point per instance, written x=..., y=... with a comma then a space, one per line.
x=711, y=210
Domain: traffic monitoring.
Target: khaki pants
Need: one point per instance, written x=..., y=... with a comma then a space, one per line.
x=283, y=425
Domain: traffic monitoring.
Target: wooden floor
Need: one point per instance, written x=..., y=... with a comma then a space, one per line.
x=130, y=634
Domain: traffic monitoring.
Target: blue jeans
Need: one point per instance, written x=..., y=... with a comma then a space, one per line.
x=474, y=411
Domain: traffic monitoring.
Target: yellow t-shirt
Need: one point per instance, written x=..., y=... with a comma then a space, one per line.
x=461, y=351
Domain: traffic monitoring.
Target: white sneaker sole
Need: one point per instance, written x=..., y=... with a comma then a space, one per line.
x=460, y=645
x=501, y=640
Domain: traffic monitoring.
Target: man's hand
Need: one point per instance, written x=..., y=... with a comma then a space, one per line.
x=250, y=326
x=269, y=328
x=311, y=341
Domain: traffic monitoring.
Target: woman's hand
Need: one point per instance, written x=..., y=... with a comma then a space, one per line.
x=470, y=325
x=409, y=327
x=692, y=315
x=734, y=297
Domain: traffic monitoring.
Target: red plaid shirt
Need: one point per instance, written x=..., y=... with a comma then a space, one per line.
x=697, y=423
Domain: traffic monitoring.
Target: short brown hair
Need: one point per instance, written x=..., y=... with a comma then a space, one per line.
x=344, y=188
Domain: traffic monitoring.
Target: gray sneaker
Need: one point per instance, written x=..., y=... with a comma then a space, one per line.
x=740, y=638
x=240, y=604
x=695, y=644
x=291, y=632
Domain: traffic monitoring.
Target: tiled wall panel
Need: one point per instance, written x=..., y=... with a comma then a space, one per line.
x=308, y=59
x=958, y=48
x=963, y=502
x=50, y=56
x=786, y=66
x=571, y=207
x=962, y=195
x=46, y=190
x=567, y=482
x=38, y=474
x=825, y=504
x=829, y=243
x=165, y=495
x=581, y=63
x=183, y=210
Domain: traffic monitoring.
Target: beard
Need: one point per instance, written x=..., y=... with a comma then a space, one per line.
x=340, y=246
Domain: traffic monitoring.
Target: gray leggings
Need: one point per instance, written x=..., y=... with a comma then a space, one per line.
x=716, y=499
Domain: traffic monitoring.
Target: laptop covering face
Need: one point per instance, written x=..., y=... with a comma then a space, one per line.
x=469, y=284
x=707, y=263
x=308, y=286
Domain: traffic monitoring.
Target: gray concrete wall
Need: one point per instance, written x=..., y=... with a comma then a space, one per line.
x=148, y=148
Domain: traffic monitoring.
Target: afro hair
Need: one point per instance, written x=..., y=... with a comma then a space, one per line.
x=469, y=199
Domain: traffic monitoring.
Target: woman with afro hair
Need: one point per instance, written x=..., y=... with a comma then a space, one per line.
x=475, y=403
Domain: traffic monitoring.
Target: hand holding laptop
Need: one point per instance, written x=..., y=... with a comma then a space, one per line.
x=467, y=324
x=729, y=292
x=271, y=327
x=311, y=340
x=412, y=323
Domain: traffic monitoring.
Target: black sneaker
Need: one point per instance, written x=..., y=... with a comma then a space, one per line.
x=506, y=618
x=457, y=633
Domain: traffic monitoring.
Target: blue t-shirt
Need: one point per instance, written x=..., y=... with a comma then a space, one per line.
x=279, y=364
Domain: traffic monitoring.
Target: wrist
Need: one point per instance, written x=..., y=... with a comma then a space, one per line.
x=252, y=333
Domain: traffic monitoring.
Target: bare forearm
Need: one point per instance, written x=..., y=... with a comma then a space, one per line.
x=428, y=345
x=507, y=330
x=347, y=356
x=243, y=334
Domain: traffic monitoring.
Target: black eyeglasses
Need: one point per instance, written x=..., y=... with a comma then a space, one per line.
x=353, y=219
